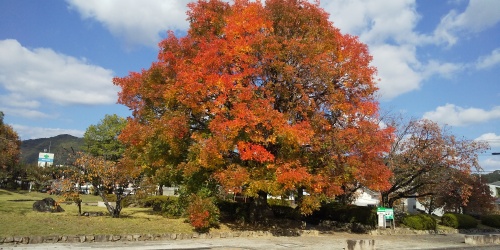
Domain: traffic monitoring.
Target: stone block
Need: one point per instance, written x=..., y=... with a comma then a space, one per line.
x=51, y=239
x=89, y=238
x=72, y=239
x=8, y=239
x=482, y=239
x=36, y=240
x=115, y=237
x=101, y=238
x=173, y=236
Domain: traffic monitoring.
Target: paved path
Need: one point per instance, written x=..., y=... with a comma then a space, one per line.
x=335, y=241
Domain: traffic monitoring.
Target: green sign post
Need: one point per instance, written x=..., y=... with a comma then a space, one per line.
x=385, y=214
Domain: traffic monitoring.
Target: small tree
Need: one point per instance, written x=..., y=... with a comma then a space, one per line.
x=102, y=165
x=107, y=175
x=427, y=160
x=480, y=202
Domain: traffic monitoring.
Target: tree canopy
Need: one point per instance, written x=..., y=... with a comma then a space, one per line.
x=429, y=161
x=102, y=139
x=10, y=148
x=262, y=99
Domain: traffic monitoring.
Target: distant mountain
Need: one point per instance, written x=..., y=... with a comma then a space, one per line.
x=59, y=145
x=492, y=177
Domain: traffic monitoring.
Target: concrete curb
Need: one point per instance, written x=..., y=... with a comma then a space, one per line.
x=482, y=239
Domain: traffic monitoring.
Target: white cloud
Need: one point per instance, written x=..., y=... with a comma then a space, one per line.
x=478, y=16
x=446, y=70
x=491, y=138
x=27, y=133
x=395, y=66
x=457, y=116
x=25, y=112
x=17, y=100
x=387, y=27
x=489, y=61
x=374, y=21
x=138, y=22
x=490, y=164
x=41, y=74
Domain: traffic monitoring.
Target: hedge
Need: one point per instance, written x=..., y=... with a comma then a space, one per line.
x=491, y=220
x=458, y=221
x=345, y=214
x=420, y=222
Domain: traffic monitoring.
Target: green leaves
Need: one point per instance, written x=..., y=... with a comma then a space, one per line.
x=102, y=139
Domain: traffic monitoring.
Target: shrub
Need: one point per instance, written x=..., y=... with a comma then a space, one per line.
x=173, y=208
x=345, y=214
x=285, y=212
x=491, y=220
x=233, y=211
x=203, y=213
x=420, y=222
x=458, y=221
x=156, y=202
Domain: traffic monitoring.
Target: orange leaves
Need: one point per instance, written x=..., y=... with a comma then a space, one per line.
x=98, y=170
x=233, y=178
x=254, y=152
x=268, y=95
x=292, y=177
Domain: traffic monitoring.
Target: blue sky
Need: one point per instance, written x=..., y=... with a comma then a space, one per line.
x=436, y=59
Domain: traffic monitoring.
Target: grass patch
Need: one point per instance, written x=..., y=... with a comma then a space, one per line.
x=18, y=218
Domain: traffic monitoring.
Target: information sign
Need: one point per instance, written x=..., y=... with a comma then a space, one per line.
x=45, y=159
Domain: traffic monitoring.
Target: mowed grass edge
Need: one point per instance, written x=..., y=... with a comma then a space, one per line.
x=17, y=218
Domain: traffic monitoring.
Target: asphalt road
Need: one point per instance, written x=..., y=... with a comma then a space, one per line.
x=335, y=241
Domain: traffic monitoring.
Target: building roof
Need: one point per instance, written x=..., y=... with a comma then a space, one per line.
x=496, y=183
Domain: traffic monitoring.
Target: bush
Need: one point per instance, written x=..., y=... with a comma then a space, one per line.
x=345, y=214
x=420, y=222
x=285, y=212
x=172, y=208
x=458, y=221
x=491, y=220
x=156, y=202
x=233, y=211
x=203, y=213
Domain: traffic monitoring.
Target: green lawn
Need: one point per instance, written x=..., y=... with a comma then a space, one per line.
x=18, y=219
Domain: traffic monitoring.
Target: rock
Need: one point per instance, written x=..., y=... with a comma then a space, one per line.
x=92, y=214
x=47, y=205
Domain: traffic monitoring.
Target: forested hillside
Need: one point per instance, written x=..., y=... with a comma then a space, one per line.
x=60, y=145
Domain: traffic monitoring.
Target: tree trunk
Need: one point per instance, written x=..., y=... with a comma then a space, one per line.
x=160, y=189
x=300, y=195
x=431, y=205
x=259, y=209
x=79, y=204
x=118, y=206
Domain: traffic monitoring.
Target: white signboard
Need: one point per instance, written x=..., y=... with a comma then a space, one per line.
x=45, y=159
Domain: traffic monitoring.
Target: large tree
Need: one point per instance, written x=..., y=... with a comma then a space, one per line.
x=10, y=150
x=428, y=160
x=270, y=97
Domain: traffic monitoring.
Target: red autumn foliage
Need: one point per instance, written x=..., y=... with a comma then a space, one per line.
x=273, y=90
